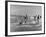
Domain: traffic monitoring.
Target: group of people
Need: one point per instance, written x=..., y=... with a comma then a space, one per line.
x=36, y=18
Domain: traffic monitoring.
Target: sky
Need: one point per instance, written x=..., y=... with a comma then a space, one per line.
x=25, y=9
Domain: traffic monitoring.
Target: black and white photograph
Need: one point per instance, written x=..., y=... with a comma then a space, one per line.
x=25, y=18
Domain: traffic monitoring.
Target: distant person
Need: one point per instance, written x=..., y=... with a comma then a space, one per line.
x=37, y=18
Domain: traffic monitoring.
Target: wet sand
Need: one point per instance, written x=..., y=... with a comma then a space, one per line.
x=17, y=28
